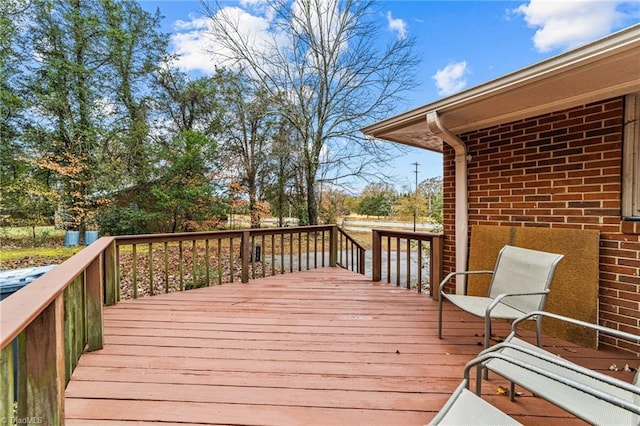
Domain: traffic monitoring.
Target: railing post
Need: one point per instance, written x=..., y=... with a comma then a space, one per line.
x=41, y=393
x=436, y=265
x=6, y=373
x=376, y=254
x=245, y=252
x=110, y=275
x=94, y=284
x=333, y=246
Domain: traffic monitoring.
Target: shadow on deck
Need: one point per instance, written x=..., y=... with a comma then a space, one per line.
x=322, y=347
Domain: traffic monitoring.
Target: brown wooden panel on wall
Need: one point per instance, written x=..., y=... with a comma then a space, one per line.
x=574, y=291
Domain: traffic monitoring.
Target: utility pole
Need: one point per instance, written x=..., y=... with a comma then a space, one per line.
x=415, y=204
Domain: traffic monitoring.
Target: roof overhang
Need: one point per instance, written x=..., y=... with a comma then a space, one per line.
x=604, y=69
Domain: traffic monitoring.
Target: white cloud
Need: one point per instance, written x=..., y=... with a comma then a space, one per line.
x=452, y=78
x=191, y=44
x=197, y=51
x=567, y=24
x=397, y=25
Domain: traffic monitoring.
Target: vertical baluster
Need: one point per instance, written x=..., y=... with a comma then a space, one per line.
x=315, y=249
x=322, y=248
x=398, y=261
x=207, y=261
x=388, y=259
x=408, y=263
x=282, y=253
x=290, y=251
x=262, y=256
x=166, y=267
x=194, y=264
x=219, y=261
x=134, y=270
x=300, y=251
x=231, y=265
x=150, y=248
x=118, y=276
x=339, y=254
x=352, y=260
x=252, y=256
x=180, y=260
x=273, y=254
x=419, y=266
x=307, y=244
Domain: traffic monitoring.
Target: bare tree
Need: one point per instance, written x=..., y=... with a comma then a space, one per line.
x=325, y=59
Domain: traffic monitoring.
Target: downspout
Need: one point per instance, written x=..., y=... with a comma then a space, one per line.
x=461, y=211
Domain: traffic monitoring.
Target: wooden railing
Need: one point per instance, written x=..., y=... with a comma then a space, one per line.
x=399, y=253
x=47, y=325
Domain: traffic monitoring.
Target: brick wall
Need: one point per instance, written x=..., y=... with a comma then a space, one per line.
x=558, y=170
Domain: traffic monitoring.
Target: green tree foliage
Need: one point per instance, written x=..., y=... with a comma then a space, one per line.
x=187, y=104
x=181, y=199
x=135, y=51
x=378, y=199
x=432, y=191
x=183, y=196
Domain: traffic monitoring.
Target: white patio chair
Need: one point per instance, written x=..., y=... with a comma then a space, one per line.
x=519, y=285
x=592, y=396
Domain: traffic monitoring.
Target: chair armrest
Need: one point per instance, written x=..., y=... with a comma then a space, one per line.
x=453, y=274
x=606, y=330
x=501, y=296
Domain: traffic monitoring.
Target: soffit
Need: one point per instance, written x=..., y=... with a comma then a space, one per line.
x=604, y=69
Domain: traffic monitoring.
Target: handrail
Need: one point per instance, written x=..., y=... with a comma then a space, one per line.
x=352, y=251
x=58, y=316
x=413, y=242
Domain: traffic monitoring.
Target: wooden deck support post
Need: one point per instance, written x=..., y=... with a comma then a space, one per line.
x=376, y=248
x=333, y=246
x=111, y=279
x=245, y=253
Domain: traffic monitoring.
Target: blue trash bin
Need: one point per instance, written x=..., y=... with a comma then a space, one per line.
x=89, y=237
x=71, y=238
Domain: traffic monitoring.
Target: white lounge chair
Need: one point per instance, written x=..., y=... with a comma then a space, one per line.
x=519, y=284
x=592, y=396
x=611, y=405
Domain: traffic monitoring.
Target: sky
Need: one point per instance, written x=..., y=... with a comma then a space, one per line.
x=461, y=44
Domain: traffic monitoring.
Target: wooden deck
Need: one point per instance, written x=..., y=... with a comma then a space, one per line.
x=322, y=347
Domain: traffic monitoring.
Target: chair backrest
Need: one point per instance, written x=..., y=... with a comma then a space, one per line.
x=520, y=270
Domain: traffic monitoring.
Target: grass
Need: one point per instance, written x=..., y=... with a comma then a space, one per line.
x=21, y=248
x=8, y=255
x=26, y=232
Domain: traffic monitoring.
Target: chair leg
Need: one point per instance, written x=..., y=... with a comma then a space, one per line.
x=487, y=333
x=539, y=331
x=440, y=316
x=479, y=374
x=487, y=338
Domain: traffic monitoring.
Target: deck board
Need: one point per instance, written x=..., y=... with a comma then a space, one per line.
x=316, y=347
